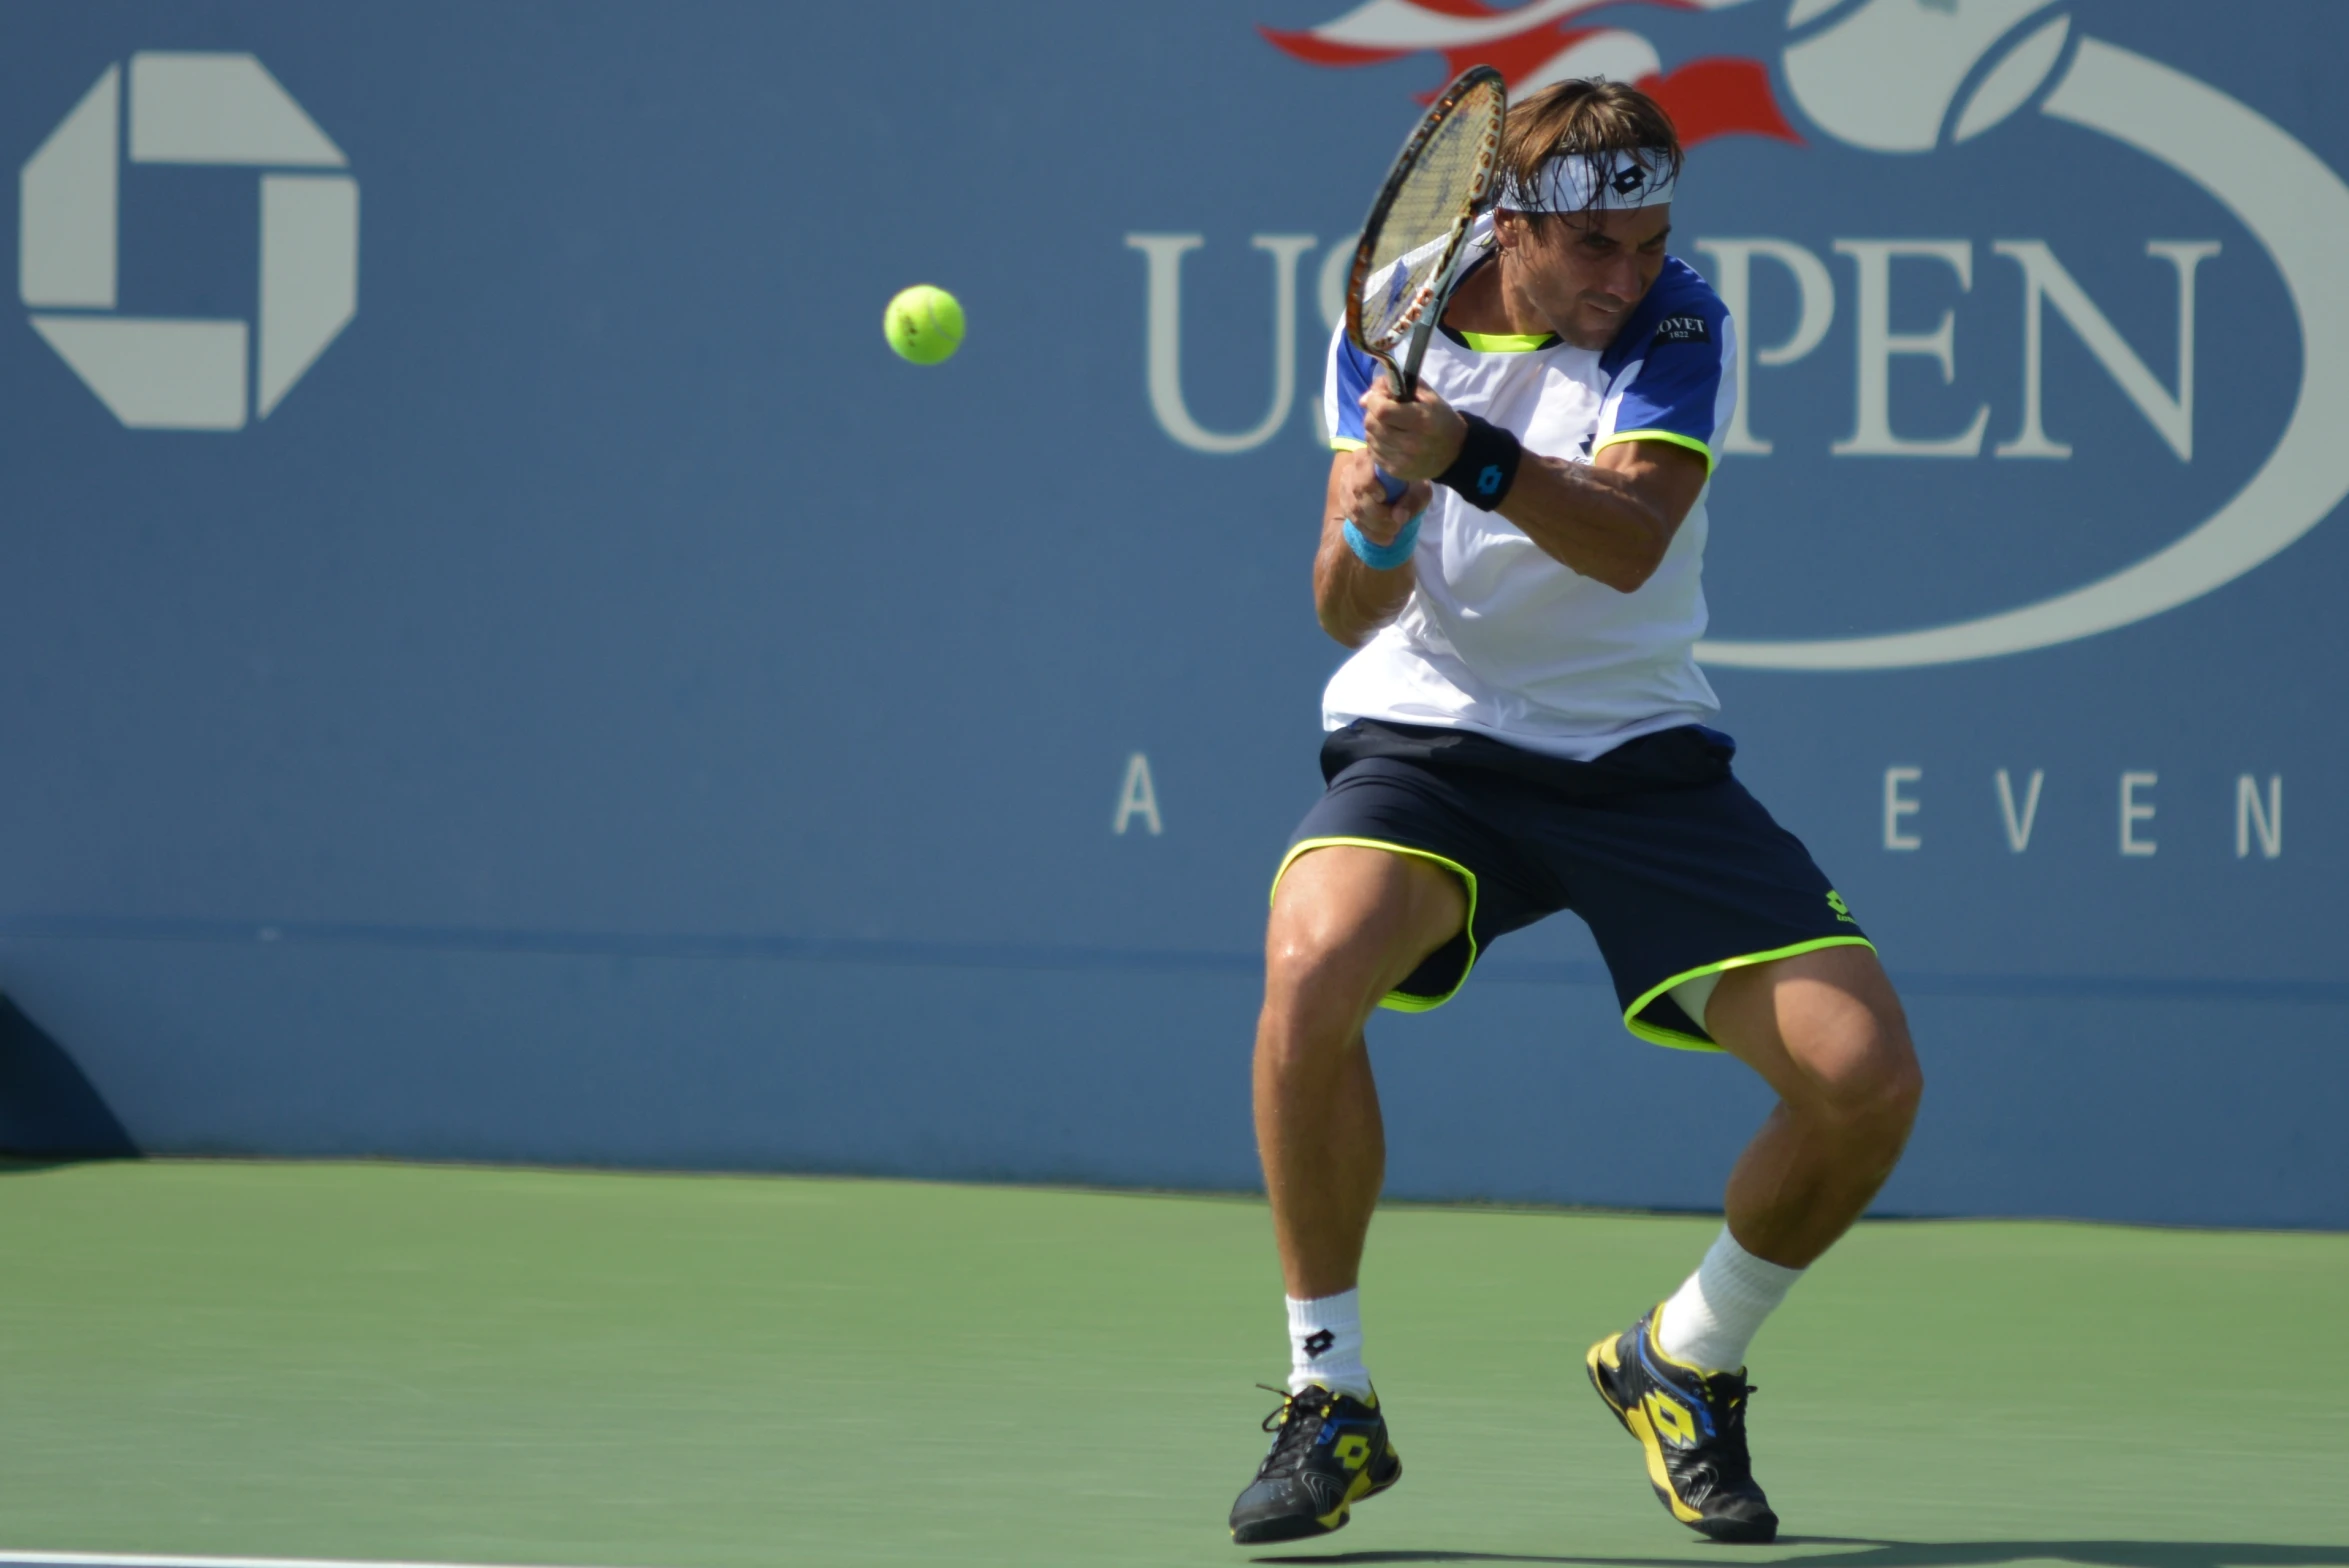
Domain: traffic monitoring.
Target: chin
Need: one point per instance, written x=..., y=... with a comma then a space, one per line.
x=1590, y=331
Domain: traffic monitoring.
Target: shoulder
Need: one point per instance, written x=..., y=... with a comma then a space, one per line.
x=1681, y=309
x=1349, y=364
x=1348, y=376
x=1350, y=370
x=1682, y=301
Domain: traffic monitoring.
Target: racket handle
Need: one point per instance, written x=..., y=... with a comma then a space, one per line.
x=1405, y=382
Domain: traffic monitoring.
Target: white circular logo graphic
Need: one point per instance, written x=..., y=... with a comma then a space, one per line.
x=1884, y=75
x=166, y=373
x=1909, y=78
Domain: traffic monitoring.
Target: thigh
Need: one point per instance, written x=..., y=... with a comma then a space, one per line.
x=1353, y=921
x=1823, y=1028
x=1427, y=828
x=1681, y=884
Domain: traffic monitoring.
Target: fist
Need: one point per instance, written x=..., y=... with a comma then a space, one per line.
x=1414, y=440
x=1367, y=505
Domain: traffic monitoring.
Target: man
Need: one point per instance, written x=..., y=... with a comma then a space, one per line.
x=1521, y=730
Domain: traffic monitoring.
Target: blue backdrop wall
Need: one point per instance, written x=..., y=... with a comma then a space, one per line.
x=502, y=663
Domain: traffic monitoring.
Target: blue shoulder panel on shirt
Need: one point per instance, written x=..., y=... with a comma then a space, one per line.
x=1680, y=308
x=1350, y=373
x=1677, y=340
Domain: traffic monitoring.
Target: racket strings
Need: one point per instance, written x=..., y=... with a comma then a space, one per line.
x=1429, y=209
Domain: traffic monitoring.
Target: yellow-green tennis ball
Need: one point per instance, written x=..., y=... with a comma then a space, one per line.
x=924, y=324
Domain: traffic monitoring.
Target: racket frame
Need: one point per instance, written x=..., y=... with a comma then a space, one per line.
x=1423, y=312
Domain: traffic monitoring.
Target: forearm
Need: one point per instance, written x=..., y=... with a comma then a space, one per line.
x=1594, y=521
x=1610, y=519
x=1353, y=600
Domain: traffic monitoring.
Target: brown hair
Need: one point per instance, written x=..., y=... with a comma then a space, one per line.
x=1593, y=116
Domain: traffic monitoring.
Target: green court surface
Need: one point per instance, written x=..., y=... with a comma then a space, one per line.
x=549, y=1367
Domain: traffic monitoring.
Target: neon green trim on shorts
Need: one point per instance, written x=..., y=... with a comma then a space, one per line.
x=1669, y=437
x=1400, y=1001
x=1657, y=1034
x=1346, y=444
x=1508, y=342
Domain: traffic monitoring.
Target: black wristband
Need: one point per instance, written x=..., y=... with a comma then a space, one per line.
x=1486, y=467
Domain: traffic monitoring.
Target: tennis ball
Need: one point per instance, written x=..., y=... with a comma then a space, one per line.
x=924, y=324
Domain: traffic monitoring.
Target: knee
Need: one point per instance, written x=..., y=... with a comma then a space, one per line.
x=1871, y=1084
x=1347, y=926
x=1320, y=986
x=1310, y=971
x=1896, y=1087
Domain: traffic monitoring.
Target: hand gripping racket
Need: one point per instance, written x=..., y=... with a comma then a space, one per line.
x=1403, y=267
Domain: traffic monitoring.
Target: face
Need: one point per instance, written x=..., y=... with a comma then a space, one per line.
x=1586, y=272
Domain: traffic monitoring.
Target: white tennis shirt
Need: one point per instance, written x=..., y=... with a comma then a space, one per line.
x=1499, y=637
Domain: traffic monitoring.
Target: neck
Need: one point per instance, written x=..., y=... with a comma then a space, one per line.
x=1493, y=299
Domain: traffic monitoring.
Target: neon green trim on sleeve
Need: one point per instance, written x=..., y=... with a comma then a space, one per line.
x=1399, y=1001
x=1671, y=437
x=1508, y=342
x=1657, y=1034
x=1346, y=444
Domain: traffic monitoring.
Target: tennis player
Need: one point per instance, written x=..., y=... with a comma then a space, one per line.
x=1523, y=729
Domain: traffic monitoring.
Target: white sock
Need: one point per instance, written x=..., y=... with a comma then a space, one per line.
x=1713, y=1317
x=1325, y=1344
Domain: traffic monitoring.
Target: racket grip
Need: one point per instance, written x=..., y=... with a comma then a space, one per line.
x=1394, y=487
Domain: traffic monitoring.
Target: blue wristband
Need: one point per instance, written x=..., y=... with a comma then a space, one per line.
x=1383, y=557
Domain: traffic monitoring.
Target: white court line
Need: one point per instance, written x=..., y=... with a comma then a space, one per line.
x=138, y=1560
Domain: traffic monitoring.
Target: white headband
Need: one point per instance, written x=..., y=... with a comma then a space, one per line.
x=1619, y=182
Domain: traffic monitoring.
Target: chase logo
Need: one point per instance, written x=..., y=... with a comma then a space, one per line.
x=172, y=373
x=1972, y=251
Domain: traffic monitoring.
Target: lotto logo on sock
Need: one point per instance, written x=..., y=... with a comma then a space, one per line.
x=1318, y=1341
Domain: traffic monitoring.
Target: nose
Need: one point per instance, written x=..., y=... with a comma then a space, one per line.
x=1623, y=280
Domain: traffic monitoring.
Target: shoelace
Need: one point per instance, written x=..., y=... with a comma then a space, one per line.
x=1733, y=1461
x=1297, y=1421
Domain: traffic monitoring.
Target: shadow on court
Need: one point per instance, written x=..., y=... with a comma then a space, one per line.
x=1918, y=1554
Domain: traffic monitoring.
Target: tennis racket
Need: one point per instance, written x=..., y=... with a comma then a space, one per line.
x=1410, y=247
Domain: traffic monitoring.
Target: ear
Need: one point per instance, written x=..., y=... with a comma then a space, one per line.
x=1508, y=228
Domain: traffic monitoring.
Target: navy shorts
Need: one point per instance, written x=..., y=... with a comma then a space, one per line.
x=1656, y=845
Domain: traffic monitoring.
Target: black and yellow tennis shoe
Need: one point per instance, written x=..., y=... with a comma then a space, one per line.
x=1692, y=1425
x=1329, y=1451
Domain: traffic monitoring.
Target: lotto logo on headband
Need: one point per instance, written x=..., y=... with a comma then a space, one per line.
x=1604, y=182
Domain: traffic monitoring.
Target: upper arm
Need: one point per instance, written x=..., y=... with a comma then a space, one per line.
x=1665, y=475
x=1660, y=420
